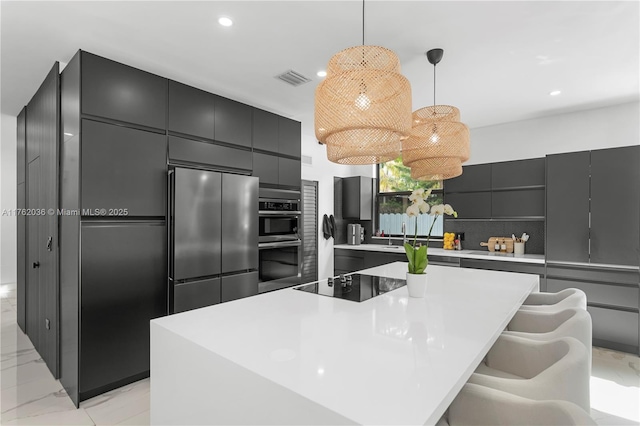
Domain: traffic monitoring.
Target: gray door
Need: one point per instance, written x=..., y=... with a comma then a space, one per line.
x=309, y=231
x=42, y=138
x=615, y=205
x=196, y=223
x=239, y=223
x=568, y=207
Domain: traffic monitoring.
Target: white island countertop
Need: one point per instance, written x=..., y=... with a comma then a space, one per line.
x=291, y=357
x=469, y=254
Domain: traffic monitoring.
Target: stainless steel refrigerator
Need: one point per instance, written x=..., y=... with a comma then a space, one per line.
x=213, y=238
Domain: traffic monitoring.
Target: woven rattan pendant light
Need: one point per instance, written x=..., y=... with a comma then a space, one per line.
x=363, y=107
x=439, y=142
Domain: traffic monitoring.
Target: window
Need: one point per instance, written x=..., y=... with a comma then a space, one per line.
x=394, y=187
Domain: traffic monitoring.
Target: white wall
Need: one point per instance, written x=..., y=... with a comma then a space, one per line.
x=8, y=224
x=323, y=171
x=579, y=131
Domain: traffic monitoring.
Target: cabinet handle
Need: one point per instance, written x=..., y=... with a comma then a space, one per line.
x=36, y=265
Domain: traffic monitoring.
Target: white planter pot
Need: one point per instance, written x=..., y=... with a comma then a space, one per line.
x=416, y=284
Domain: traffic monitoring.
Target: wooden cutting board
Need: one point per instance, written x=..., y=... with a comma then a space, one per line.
x=491, y=244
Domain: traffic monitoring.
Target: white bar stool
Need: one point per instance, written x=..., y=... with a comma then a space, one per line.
x=546, y=326
x=557, y=369
x=564, y=299
x=480, y=405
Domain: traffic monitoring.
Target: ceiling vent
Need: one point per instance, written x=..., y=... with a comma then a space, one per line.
x=293, y=78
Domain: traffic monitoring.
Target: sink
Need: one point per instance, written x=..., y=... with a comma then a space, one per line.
x=386, y=247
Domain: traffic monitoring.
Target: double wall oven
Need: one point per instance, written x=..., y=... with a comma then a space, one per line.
x=279, y=243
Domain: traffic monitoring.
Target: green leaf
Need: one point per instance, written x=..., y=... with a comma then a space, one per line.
x=420, y=257
x=408, y=248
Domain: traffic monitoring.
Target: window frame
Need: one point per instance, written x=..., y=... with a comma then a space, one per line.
x=379, y=194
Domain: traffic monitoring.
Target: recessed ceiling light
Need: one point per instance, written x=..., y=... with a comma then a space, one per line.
x=225, y=22
x=555, y=93
x=321, y=73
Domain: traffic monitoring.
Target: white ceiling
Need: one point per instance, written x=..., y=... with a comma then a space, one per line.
x=501, y=60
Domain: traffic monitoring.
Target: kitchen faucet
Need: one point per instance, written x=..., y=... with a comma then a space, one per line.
x=404, y=233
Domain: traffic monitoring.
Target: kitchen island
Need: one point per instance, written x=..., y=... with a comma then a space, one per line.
x=291, y=357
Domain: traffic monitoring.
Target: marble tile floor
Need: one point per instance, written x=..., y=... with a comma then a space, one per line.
x=31, y=396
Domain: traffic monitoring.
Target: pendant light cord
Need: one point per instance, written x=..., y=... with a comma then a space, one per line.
x=363, y=22
x=434, y=88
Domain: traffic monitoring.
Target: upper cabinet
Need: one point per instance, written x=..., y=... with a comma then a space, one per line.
x=276, y=134
x=518, y=188
x=124, y=170
x=277, y=147
x=593, y=207
x=357, y=197
x=289, y=137
x=265, y=131
x=233, y=122
x=191, y=111
x=470, y=193
x=474, y=178
x=506, y=190
x=119, y=92
x=518, y=174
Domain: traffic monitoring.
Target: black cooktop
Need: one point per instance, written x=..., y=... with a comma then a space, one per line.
x=354, y=287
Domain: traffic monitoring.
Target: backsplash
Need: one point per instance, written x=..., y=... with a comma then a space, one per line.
x=476, y=231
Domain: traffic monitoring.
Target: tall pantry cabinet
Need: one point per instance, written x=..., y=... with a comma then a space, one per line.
x=593, y=238
x=113, y=239
x=37, y=221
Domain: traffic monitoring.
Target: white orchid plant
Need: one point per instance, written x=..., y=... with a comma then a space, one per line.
x=417, y=256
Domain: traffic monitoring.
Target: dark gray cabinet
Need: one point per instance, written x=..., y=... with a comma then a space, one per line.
x=193, y=152
x=496, y=265
x=265, y=167
x=276, y=141
x=613, y=299
x=265, y=131
x=289, y=137
x=567, y=217
x=518, y=174
x=276, y=170
x=42, y=138
x=120, y=92
x=593, y=207
x=276, y=134
x=471, y=205
x=505, y=190
x=474, y=178
x=357, y=198
x=518, y=203
x=347, y=261
x=21, y=231
x=614, y=329
x=123, y=168
x=233, y=122
x=289, y=173
x=615, y=206
x=191, y=111
x=123, y=288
